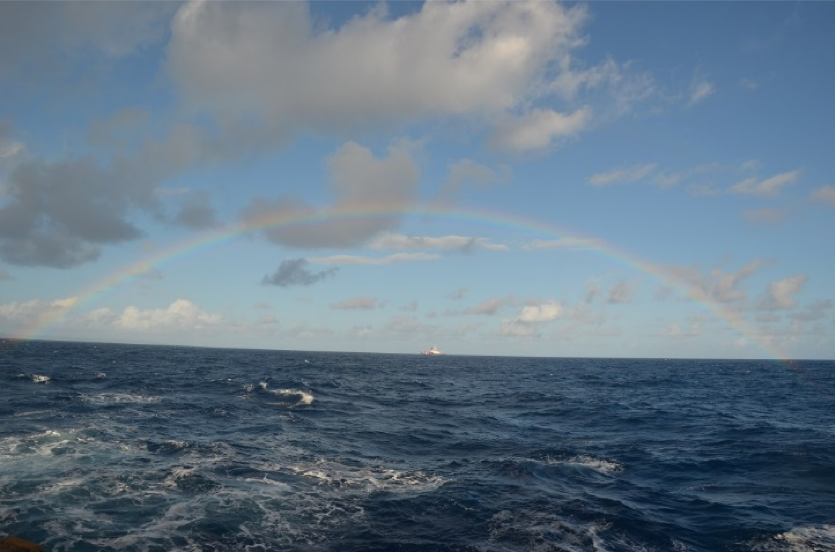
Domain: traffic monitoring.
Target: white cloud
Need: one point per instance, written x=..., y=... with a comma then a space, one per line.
x=622, y=175
x=825, y=194
x=389, y=240
x=181, y=315
x=538, y=128
x=515, y=328
x=9, y=149
x=544, y=312
x=768, y=216
x=21, y=317
x=781, y=293
x=765, y=187
x=490, y=306
x=363, y=260
x=466, y=172
x=700, y=90
x=719, y=285
x=271, y=59
x=358, y=303
x=361, y=183
x=527, y=321
x=569, y=243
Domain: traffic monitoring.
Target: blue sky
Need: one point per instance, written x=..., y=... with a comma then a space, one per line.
x=642, y=179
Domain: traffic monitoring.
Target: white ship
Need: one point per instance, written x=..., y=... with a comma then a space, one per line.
x=433, y=351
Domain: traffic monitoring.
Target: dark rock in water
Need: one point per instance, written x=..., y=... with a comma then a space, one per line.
x=15, y=544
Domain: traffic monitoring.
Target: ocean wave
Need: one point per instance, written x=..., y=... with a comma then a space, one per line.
x=812, y=538
x=289, y=397
x=527, y=530
x=120, y=398
x=606, y=467
x=367, y=479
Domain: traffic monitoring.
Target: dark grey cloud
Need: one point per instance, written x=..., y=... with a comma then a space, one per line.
x=196, y=212
x=41, y=39
x=294, y=272
x=59, y=214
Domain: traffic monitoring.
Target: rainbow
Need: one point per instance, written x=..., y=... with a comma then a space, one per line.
x=279, y=220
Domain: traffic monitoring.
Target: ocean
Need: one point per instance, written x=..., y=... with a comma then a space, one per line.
x=155, y=448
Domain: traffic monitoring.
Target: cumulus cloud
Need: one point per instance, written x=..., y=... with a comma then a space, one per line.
x=182, y=314
x=358, y=303
x=622, y=175
x=61, y=213
x=781, y=294
x=825, y=194
x=58, y=214
x=272, y=59
x=538, y=128
x=361, y=183
x=527, y=321
x=544, y=312
x=389, y=240
x=294, y=272
x=19, y=317
x=765, y=187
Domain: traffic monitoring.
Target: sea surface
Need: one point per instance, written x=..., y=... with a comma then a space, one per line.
x=151, y=448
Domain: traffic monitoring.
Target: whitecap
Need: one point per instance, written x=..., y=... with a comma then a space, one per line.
x=290, y=397
x=368, y=478
x=599, y=465
x=810, y=538
x=121, y=398
x=40, y=378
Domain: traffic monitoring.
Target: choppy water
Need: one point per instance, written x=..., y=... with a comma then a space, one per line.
x=117, y=447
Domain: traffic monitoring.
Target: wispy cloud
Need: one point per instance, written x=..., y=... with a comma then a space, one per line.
x=490, y=306
x=461, y=243
x=765, y=187
x=376, y=261
x=358, y=303
x=765, y=216
x=825, y=194
x=622, y=175
x=572, y=244
x=699, y=91
x=781, y=294
x=620, y=293
x=538, y=128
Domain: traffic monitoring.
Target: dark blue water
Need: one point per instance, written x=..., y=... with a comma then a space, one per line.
x=117, y=447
